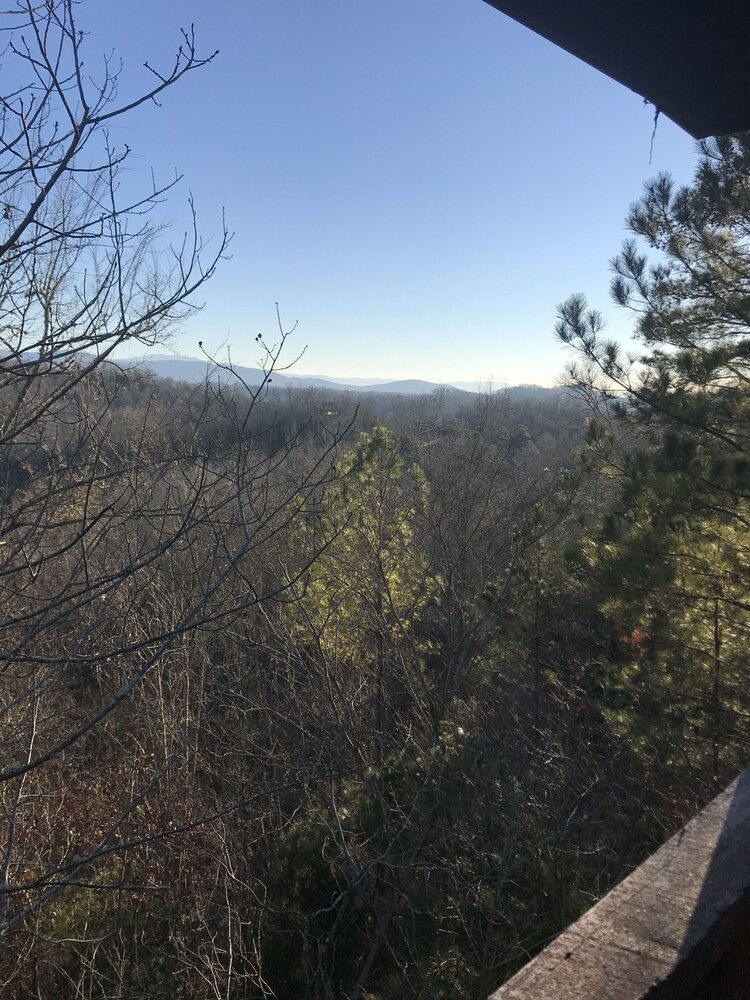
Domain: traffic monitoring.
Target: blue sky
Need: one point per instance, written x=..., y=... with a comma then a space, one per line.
x=418, y=183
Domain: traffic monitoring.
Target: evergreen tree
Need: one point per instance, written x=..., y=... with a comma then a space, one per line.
x=358, y=606
x=692, y=307
x=674, y=553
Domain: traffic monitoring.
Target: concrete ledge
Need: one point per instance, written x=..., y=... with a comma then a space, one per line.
x=678, y=927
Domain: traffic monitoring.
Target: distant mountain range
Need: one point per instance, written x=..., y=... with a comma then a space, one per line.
x=194, y=370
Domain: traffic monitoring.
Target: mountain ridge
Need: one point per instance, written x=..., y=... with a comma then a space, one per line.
x=185, y=369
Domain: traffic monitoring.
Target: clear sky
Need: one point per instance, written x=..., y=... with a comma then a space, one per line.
x=418, y=183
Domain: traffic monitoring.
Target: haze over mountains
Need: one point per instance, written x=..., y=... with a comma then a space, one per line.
x=196, y=370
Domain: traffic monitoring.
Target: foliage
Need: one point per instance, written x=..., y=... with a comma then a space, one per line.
x=674, y=553
x=303, y=702
x=370, y=579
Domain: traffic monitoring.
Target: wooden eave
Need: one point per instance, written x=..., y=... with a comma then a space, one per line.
x=690, y=59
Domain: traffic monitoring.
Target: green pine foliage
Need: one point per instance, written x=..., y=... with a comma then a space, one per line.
x=674, y=430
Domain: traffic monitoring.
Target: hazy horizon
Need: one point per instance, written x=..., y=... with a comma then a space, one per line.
x=158, y=353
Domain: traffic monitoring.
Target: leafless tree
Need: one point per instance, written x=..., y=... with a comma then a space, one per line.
x=129, y=550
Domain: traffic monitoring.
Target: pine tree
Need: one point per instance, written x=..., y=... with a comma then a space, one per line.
x=675, y=553
x=359, y=603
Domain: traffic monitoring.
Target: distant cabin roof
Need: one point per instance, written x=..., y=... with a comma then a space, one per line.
x=689, y=58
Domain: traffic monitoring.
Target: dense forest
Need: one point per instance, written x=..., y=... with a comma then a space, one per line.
x=309, y=696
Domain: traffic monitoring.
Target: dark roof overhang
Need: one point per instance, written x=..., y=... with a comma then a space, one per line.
x=689, y=58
